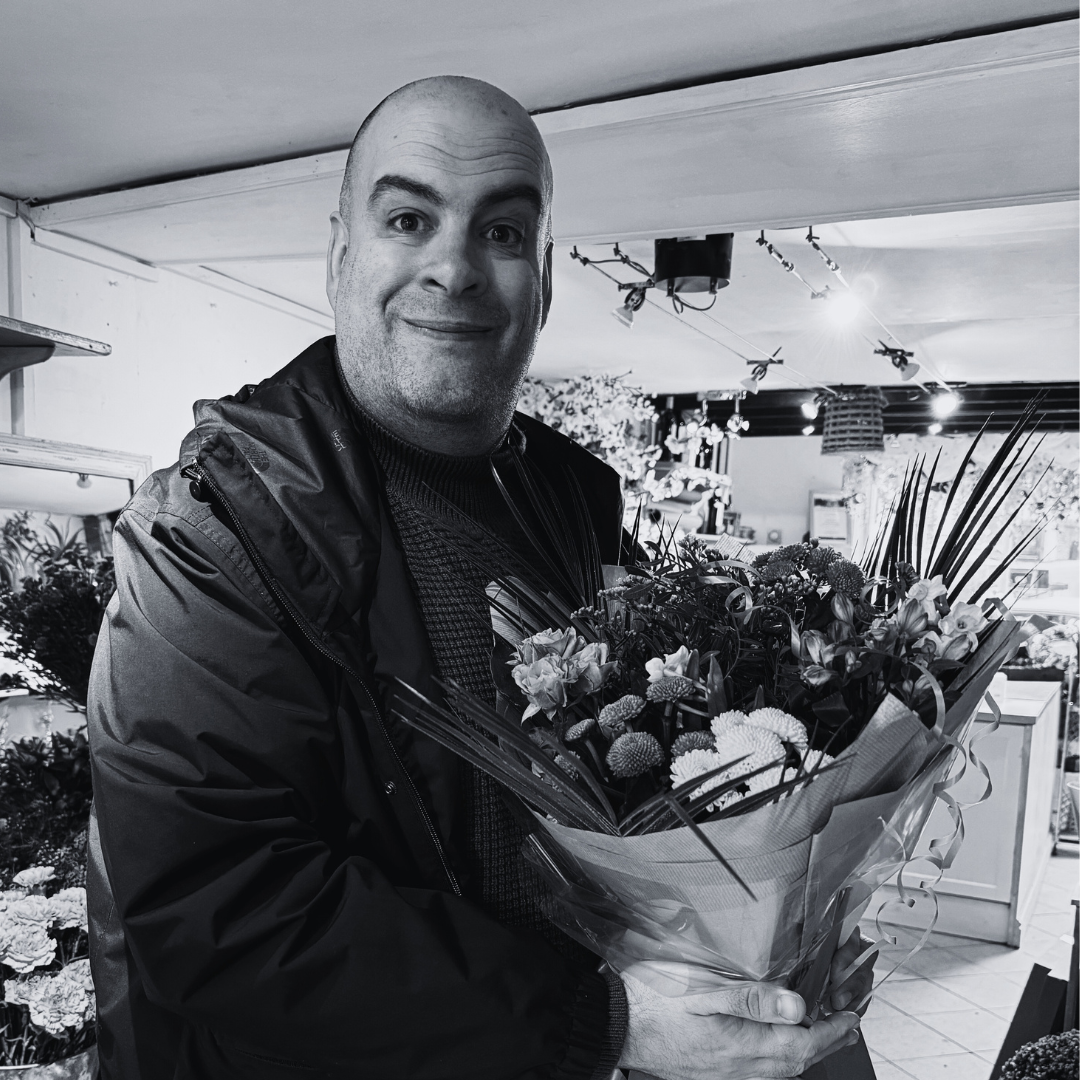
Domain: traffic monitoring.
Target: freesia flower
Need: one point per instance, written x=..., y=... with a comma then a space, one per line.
x=673, y=664
x=959, y=645
x=911, y=619
x=926, y=591
x=963, y=619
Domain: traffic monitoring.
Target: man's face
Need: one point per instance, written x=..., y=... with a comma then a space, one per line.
x=439, y=279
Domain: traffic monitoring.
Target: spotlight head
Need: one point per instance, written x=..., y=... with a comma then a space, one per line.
x=751, y=385
x=625, y=314
x=945, y=404
x=934, y=429
x=83, y=480
x=843, y=307
x=809, y=409
x=908, y=371
x=808, y=430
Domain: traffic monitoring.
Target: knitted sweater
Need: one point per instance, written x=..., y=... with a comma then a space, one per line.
x=423, y=489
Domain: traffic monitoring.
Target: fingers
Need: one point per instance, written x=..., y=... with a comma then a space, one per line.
x=798, y=1048
x=763, y=1002
x=859, y=983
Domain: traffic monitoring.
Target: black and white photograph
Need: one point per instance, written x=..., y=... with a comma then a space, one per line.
x=539, y=541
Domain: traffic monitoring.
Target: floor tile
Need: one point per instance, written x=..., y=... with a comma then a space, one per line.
x=992, y=958
x=921, y=997
x=975, y=1029
x=904, y=1036
x=950, y=1066
x=886, y=1070
x=934, y=962
x=1054, y=923
x=982, y=992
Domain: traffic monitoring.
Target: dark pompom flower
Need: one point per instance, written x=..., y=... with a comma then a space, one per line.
x=633, y=754
x=1054, y=1057
x=778, y=570
x=845, y=577
x=670, y=688
x=615, y=717
x=761, y=560
x=692, y=740
x=792, y=553
x=582, y=727
x=819, y=558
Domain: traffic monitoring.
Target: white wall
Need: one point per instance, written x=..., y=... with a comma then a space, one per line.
x=174, y=341
x=771, y=481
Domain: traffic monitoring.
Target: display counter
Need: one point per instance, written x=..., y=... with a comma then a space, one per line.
x=993, y=882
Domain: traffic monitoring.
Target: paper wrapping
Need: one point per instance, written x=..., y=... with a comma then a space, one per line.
x=662, y=906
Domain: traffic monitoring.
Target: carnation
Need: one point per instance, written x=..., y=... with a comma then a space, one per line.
x=24, y=946
x=56, y=1002
x=68, y=908
x=34, y=877
x=32, y=910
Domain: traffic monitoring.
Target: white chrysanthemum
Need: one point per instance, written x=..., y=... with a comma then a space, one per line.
x=36, y=875
x=725, y=722
x=815, y=759
x=756, y=746
x=695, y=763
x=69, y=908
x=786, y=726
x=57, y=1002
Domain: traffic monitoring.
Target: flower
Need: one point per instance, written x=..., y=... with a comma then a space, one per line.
x=546, y=643
x=911, y=619
x=673, y=664
x=695, y=763
x=68, y=908
x=815, y=759
x=819, y=558
x=755, y=745
x=963, y=619
x=843, y=608
x=670, y=688
x=587, y=668
x=634, y=753
x=692, y=740
x=926, y=591
x=882, y=633
x=25, y=946
x=35, y=877
x=783, y=724
x=778, y=570
x=580, y=729
x=845, y=577
x=56, y=1002
x=32, y=910
x=723, y=723
x=615, y=717
x=9, y=897
x=543, y=684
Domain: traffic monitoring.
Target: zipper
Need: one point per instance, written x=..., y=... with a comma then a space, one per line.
x=196, y=472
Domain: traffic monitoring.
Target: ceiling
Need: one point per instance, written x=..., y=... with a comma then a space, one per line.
x=939, y=139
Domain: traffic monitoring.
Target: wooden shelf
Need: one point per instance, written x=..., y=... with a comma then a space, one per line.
x=23, y=344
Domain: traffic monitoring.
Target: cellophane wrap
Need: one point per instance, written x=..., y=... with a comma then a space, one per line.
x=663, y=908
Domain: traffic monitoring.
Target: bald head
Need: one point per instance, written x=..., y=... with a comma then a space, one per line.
x=455, y=94
x=439, y=268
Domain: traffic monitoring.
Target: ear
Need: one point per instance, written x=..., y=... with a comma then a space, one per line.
x=545, y=284
x=335, y=256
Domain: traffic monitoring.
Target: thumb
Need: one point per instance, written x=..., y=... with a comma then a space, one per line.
x=763, y=1002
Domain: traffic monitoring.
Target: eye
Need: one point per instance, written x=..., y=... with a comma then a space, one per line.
x=407, y=222
x=505, y=235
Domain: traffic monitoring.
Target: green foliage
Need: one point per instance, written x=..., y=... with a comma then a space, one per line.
x=1054, y=1057
x=53, y=620
x=45, y=795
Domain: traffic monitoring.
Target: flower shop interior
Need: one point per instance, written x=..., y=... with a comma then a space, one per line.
x=799, y=251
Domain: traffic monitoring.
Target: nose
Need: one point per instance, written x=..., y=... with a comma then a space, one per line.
x=454, y=268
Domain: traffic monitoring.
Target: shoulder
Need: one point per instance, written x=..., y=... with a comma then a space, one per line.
x=548, y=446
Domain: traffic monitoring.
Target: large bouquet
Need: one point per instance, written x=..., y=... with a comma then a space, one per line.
x=725, y=758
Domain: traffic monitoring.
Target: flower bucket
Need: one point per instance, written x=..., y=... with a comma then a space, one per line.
x=80, y=1067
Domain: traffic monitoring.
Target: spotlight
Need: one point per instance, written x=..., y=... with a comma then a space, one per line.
x=809, y=409
x=843, y=307
x=908, y=371
x=934, y=428
x=634, y=300
x=808, y=430
x=751, y=385
x=625, y=315
x=942, y=405
x=83, y=481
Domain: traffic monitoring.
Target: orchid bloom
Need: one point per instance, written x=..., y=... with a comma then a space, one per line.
x=673, y=664
x=926, y=591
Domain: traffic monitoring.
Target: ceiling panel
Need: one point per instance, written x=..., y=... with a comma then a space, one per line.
x=121, y=91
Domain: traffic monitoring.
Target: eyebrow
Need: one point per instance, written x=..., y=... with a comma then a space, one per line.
x=393, y=183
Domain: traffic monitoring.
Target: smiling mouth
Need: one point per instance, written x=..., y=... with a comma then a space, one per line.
x=451, y=328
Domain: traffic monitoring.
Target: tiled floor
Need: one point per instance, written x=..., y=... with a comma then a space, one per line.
x=945, y=1012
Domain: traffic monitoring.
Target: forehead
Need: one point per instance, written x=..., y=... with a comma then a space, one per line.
x=462, y=149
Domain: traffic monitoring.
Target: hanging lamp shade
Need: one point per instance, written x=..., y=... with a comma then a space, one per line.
x=853, y=422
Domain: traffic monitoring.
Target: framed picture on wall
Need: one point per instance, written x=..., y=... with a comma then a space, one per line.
x=829, y=518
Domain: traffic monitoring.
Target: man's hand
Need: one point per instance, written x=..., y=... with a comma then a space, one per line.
x=743, y=1031
x=857, y=985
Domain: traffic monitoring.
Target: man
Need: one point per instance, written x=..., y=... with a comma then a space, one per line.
x=285, y=882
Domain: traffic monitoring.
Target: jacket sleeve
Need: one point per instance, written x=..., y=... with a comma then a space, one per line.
x=217, y=770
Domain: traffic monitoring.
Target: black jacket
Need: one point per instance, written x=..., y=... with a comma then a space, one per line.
x=272, y=892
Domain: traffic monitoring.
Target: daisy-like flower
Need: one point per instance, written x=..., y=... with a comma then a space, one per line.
x=786, y=726
x=727, y=721
x=695, y=763
x=755, y=745
x=673, y=664
x=815, y=759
